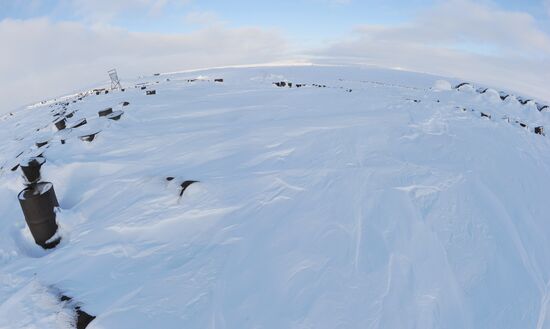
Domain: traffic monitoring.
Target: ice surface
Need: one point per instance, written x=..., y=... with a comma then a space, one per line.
x=317, y=208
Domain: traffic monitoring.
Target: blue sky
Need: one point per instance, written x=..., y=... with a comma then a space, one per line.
x=304, y=19
x=71, y=43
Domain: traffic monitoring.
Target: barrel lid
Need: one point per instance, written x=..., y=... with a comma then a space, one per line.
x=35, y=190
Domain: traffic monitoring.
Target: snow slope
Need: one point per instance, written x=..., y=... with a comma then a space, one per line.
x=385, y=207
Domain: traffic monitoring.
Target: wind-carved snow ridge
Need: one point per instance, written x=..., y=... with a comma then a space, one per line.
x=365, y=198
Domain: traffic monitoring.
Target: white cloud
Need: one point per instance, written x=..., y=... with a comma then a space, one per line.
x=105, y=11
x=41, y=59
x=207, y=18
x=463, y=39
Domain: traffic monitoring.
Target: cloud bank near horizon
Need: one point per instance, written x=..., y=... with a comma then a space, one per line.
x=459, y=38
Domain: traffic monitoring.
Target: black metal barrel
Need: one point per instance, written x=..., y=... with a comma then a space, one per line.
x=60, y=123
x=38, y=203
x=31, y=169
x=105, y=112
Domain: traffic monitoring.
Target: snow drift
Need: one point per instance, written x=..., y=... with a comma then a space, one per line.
x=372, y=202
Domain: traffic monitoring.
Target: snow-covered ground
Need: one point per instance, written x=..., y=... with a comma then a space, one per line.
x=385, y=207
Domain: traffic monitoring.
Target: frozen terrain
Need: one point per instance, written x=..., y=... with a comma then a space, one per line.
x=383, y=200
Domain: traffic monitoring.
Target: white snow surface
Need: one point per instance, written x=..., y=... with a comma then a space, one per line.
x=316, y=207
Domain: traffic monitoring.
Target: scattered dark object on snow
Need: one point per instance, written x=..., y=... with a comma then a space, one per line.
x=349, y=90
x=41, y=143
x=89, y=137
x=523, y=125
x=185, y=185
x=280, y=84
x=125, y=103
x=462, y=85
x=38, y=202
x=60, y=123
x=156, y=74
x=485, y=115
x=105, y=112
x=83, y=319
x=524, y=101
x=539, y=130
x=542, y=107
x=69, y=115
x=299, y=85
x=290, y=85
x=97, y=92
x=151, y=92
x=218, y=80
x=79, y=123
x=106, y=91
x=503, y=95
x=115, y=115
x=31, y=169
x=123, y=89
x=191, y=80
x=170, y=178
x=74, y=101
x=482, y=90
x=143, y=87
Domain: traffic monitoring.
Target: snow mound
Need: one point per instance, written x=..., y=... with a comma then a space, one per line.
x=442, y=85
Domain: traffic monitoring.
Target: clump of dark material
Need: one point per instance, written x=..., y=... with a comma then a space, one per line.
x=151, y=92
x=143, y=87
x=41, y=143
x=79, y=123
x=503, y=95
x=485, y=115
x=115, y=115
x=218, y=80
x=523, y=125
x=524, y=101
x=185, y=185
x=462, y=85
x=83, y=319
x=482, y=90
x=125, y=103
x=170, y=178
x=539, y=130
x=89, y=137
